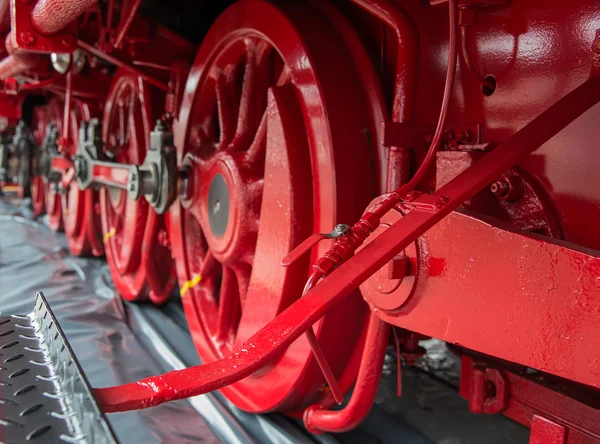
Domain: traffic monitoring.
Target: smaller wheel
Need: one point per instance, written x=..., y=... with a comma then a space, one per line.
x=53, y=200
x=140, y=266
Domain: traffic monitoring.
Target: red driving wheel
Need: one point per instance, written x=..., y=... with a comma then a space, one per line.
x=276, y=141
x=81, y=218
x=38, y=126
x=53, y=199
x=140, y=267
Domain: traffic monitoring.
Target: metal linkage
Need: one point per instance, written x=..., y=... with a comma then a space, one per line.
x=156, y=179
x=23, y=144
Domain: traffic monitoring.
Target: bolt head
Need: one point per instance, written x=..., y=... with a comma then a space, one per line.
x=397, y=268
x=27, y=38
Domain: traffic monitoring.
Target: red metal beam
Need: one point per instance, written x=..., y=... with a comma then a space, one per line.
x=514, y=296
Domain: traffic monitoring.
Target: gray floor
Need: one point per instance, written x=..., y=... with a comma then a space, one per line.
x=118, y=342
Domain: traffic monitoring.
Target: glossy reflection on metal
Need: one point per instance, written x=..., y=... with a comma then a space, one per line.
x=281, y=332
x=264, y=109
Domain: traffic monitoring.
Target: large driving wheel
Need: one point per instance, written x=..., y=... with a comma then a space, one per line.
x=140, y=266
x=277, y=141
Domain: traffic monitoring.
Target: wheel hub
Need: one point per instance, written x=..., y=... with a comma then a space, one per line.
x=218, y=205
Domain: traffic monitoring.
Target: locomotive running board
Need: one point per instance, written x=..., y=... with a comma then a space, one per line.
x=44, y=396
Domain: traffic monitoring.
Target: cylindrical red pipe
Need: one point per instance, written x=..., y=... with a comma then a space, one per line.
x=318, y=420
x=50, y=16
x=407, y=68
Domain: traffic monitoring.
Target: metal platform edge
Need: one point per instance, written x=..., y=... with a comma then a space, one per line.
x=44, y=394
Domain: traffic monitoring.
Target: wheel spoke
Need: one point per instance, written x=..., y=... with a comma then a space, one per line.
x=226, y=108
x=254, y=91
x=284, y=77
x=242, y=272
x=229, y=306
x=208, y=265
x=256, y=153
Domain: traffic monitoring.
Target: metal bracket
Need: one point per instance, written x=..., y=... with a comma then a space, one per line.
x=156, y=179
x=25, y=38
x=339, y=231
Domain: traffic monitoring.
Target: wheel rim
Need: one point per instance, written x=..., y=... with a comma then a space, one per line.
x=252, y=154
x=127, y=123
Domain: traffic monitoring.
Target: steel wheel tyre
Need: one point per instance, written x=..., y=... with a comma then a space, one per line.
x=129, y=227
x=275, y=140
x=81, y=219
x=53, y=199
x=38, y=127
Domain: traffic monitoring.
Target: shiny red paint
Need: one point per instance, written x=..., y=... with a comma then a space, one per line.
x=290, y=144
x=319, y=420
x=550, y=294
x=130, y=254
x=312, y=151
x=426, y=211
x=38, y=128
x=111, y=175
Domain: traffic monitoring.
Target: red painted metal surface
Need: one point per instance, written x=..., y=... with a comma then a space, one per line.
x=284, y=118
x=550, y=294
x=319, y=420
x=130, y=111
x=282, y=331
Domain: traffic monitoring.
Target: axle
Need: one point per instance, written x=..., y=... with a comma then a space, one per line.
x=156, y=179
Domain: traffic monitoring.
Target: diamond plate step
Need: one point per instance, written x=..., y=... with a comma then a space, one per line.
x=44, y=396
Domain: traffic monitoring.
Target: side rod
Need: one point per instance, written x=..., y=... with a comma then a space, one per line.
x=269, y=341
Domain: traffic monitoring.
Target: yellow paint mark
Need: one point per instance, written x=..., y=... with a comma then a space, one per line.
x=109, y=234
x=10, y=188
x=190, y=284
x=65, y=212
